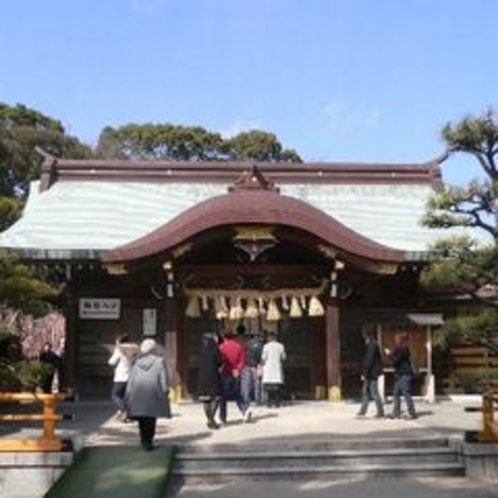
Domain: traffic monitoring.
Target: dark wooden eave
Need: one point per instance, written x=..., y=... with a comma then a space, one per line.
x=258, y=207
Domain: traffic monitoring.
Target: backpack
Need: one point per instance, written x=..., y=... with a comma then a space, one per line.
x=253, y=352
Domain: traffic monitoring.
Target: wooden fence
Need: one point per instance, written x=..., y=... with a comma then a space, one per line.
x=48, y=440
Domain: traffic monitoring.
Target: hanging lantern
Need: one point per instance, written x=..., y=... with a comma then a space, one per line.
x=193, y=310
x=205, y=303
x=261, y=305
x=224, y=304
x=302, y=302
x=285, y=303
x=273, y=314
x=315, y=307
x=251, y=309
x=295, y=309
x=220, y=308
x=236, y=311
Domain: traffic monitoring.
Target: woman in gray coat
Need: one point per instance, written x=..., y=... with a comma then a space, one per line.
x=147, y=392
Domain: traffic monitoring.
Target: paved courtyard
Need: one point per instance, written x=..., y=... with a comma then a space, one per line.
x=311, y=421
x=318, y=420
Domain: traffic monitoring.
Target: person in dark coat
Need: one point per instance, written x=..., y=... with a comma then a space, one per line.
x=403, y=375
x=147, y=392
x=49, y=357
x=209, y=383
x=371, y=370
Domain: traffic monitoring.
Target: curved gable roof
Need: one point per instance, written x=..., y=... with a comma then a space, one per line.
x=252, y=206
x=80, y=208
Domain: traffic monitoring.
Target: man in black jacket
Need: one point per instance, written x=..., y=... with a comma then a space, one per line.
x=371, y=370
x=403, y=375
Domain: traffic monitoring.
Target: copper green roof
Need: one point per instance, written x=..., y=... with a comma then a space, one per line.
x=80, y=208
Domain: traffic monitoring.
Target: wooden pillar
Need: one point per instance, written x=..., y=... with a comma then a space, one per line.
x=171, y=346
x=333, y=357
x=430, y=382
x=71, y=339
x=381, y=381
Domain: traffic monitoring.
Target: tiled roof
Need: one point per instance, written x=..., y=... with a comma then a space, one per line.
x=253, y=207
x=85, y=208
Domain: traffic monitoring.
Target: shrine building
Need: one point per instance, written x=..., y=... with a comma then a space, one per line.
x=170, y=250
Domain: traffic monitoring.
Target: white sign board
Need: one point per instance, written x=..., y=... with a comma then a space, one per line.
x=92, y=308
x=149, y=321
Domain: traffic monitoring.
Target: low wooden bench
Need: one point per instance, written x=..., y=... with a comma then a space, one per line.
x=48, y=441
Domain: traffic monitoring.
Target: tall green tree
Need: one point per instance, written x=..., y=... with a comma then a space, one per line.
x=189, y=143
x=159, y=141
x=259, y=146
x=470, y=263
x=21, y=130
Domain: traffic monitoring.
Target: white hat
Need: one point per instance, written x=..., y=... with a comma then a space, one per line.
x=147, y=346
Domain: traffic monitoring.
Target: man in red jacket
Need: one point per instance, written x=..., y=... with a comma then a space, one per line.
x=234, y=361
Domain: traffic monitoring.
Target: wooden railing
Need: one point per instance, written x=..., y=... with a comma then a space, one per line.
x=48, y=441
x=476, y=362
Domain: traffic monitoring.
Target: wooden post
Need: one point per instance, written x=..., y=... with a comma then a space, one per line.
x=49, y=441
x=48, y=420
x=71, y=314
x=430, y=382
x=382, y=378
x=171, y=345
x=333, y=356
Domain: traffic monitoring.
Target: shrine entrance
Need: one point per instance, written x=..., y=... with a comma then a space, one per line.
x=284, y=289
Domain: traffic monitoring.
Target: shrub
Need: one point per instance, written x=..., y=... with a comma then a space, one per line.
x=23, y=375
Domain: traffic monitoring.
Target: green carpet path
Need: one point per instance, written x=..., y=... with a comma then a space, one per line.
x=120, y=471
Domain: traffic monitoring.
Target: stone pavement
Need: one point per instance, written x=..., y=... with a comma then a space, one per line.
x=317, y=420
x=321, y=421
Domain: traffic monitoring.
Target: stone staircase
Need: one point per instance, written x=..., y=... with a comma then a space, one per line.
x=319, y=460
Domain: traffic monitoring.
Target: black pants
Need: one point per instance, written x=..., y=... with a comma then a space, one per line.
x=147, y=429
x=47, y=383
x=273, y=394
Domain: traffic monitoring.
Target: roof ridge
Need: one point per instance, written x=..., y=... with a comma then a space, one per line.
x=59, y=169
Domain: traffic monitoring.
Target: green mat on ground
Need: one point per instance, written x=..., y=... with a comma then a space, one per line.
x=120, y=471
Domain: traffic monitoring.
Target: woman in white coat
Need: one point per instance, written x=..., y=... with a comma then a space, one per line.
x=272, y=358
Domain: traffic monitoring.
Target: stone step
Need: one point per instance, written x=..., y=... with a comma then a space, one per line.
x=310, y=445
x=319, y=460
x=321, y=473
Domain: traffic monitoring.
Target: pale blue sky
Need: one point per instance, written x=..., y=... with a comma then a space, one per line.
x=354, y=80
